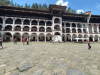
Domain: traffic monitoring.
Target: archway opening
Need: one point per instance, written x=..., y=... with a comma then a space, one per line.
x=42, y=23
x=79, y=25
x=9, y=21
x=25, y=35
x=18, y=21
x=8, y=28
x=79, y=36
x=90, y=28
x=48, y=37
x=96, y=38
x=48, y=29
x=49, y=23
x=67, y=30
x=1, y=20
x=33, y=37
x=57, y=33
x=34, y=22
x=73, y=37
x=34, y=29
x=56, y=20
x=79, y=30
x=41, y=37
x=7, y=37
x=67, y=25
x=68, y=37
x=25, y=28
x=85, y=36
x=95, y=28
x=84, y=30
x=63, y=37
x=73, y=30
x=0, y=27
x=26, y=22
x=62, y=24
x=18, y=36
x=57, y=27
x=41, y=29
x=63, y=30
x=73, y=25
x=17, y=28
x=91, y=38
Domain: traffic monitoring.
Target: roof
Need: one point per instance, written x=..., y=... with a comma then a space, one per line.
x=24, y=9
x=63, y=8
x=74, y=15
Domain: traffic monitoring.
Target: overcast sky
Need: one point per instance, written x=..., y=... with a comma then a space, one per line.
x=78, y=5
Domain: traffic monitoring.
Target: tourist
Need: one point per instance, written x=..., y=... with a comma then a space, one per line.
x=15, y=40
x=23, y=40
x=27, y=40
x=1, y=42
x=89, y=46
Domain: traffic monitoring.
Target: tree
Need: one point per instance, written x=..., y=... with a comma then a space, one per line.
x=28, y=6
x=33, y=6
x=39, y=6
x=25, y=5
x=81, y=12
x=11, y=3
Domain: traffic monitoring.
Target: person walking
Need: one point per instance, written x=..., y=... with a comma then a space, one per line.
x=1, y=42
x=23, y=40
x=15, y=40
x=27, y=40
x=89, y=46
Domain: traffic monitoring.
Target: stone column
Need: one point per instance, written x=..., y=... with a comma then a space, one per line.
x=93, y=38
x=77, y=39
x=12, y=38
x=61, y=24
x=92, y=28
x=13, y=24
x=97, y=28
x=45, y=26
x=83, y=37
x=76, y=29
x=21, y=39
x=2, y=37
x=53, y=24
x=29, y=38
x=70, y=28
x=45, y=38
x=82, y=28
x=22, y=26
x=38, y=27
x=87, y=28
x=71, y=37
x=65, y=38
x=3, y=24
x=37, y=38
x=98, y=38
x=30, y=26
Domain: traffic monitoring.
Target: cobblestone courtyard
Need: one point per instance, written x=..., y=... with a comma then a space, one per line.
x=44, y=58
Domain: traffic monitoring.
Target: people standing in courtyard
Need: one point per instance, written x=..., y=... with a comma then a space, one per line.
x=15, y=40
x=27, y=40
x=23, y=40
x=1, y=42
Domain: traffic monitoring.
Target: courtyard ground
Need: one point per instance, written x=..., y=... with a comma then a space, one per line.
x=44, y=58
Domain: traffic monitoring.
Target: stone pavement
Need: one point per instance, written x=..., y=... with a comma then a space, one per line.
x=44, y=58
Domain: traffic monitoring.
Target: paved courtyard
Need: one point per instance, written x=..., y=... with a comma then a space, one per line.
x=44, y=58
